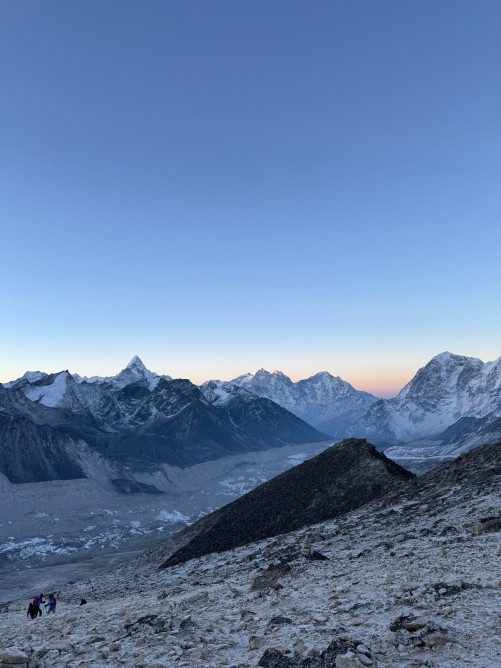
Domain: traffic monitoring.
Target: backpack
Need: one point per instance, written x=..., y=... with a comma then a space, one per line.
x=36, y=601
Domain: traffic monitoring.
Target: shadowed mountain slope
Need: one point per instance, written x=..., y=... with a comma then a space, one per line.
x=50, y=424
x=344, y=477
x=477, y=472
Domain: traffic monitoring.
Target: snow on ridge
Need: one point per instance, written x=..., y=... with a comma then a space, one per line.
x=49, y=395
x=92, y=380
x=30, y=376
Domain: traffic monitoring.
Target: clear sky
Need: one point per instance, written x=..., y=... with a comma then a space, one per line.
x=220, y=186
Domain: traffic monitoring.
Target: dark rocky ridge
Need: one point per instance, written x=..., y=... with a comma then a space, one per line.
x=344, y=477
x=477, y=472
x=26, y=445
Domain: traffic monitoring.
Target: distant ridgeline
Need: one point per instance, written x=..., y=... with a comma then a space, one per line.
x=53, y=425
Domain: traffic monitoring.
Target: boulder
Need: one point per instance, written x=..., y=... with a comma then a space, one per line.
x=485, y=525
x=255, y=642
x=273, y=658
x=348, y=660
x=13, y=656
x=279, y=620
x=409, y=623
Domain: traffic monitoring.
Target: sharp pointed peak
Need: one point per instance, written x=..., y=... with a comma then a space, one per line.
x=136, y=361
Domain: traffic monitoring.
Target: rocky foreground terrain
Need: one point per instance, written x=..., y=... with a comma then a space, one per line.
x=410, y=580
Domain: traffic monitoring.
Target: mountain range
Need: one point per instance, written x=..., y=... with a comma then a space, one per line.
x=452, y=404
x=57, y=426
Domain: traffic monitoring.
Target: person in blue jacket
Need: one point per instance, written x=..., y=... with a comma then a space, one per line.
x=52, y=604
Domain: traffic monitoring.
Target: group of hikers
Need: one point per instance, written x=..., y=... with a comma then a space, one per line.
x=35, y=607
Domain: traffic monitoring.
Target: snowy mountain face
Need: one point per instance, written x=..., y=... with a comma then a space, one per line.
x=325, y=401
x=218, y=392
x=449, y=388
x=136, y=420
x=50, y=390
x=451, y=405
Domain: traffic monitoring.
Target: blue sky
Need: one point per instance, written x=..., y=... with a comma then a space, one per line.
x=222, y=186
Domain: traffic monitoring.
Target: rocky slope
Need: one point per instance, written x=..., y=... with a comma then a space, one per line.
x=345, y=476
x=410, y=580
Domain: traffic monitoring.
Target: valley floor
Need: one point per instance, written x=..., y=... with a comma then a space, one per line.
x=415, y=557
x=75, y=525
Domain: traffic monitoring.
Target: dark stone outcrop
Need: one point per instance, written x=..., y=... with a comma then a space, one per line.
x=344, y=477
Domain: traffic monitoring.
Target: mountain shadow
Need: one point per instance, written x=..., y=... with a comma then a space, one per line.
x=342, y=478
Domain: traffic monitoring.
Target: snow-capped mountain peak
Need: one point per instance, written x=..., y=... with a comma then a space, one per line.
x=323, y=400
x=447, y=389
x=136, y=363
x=28, y=377
x=136, y=371
x=52, y=393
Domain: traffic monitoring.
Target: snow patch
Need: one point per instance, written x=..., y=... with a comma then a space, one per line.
x=172, y=517
x=49, y=395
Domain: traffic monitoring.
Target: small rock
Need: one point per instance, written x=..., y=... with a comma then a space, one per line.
x=273, y=658
x=319, y=617
x=13, y=655
x=256, y=643
x=363, y=649
x=348, y=660
x=279, y=621
x=485, y=525
x=200, y=654
x=300, y=647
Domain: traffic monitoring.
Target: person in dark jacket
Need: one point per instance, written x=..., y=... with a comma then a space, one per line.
x=37, y=602
x=32, y=611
